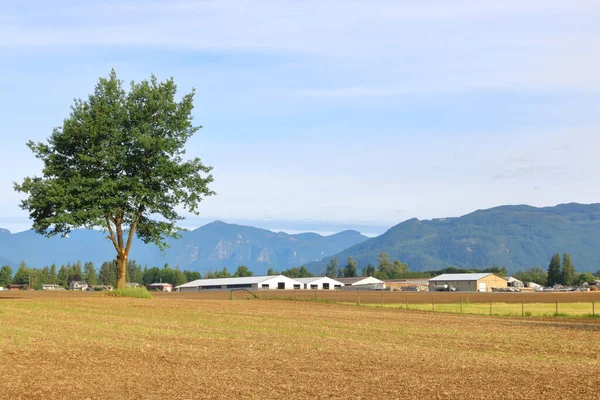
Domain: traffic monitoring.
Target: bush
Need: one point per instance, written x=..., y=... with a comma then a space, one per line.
x=139, y=293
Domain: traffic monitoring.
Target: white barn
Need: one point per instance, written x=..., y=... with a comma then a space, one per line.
x=363, y=281
x=247, y=282
x=320, y=283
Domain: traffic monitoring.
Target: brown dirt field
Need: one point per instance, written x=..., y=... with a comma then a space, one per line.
x=375, y=297
x=65, y=346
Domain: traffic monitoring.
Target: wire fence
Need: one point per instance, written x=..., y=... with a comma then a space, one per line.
x=582, y=304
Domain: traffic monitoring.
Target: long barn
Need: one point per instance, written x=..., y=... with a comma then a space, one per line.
x=248, y=282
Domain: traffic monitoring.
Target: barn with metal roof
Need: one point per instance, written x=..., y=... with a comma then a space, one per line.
x=248, y=282
x=320, y=282
x=481, y=282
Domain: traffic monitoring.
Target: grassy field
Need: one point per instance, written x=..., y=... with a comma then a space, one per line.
x=84, y=345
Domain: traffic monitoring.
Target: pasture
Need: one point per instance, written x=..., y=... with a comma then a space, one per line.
x=182, y=346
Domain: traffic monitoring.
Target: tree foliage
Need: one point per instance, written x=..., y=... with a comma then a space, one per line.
x=534, y=274
x=350, y=269
x=554, y=271
x=296, y=272
x=117, y=163
x=243, y=271
x=331, y=269
x=568, y=274
x=5, y=275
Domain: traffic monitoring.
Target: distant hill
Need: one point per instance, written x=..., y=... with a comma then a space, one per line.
x=513, y=236
x=212, y=246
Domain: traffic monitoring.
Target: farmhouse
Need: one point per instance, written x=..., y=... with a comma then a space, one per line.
x=320, y=282
x=483, y=282
x=362, y=282
x=160, y=287
x=248, y=282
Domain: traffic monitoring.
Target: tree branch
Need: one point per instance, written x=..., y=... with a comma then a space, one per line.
x=112, y=233
x=132, y=231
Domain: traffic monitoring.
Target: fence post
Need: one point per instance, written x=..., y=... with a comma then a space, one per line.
x=315, y=295
x=522, y=308
x=461, y=304
x=556, y=306
x=490, y=307
x=337, y=295
x=432, y=305
x=358, y=297
x=406, y=302
x=231, y=295
x=593, y=309
x=382, y=298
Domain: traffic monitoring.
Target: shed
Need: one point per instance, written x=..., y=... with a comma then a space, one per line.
x=50, y=286
x=161, y=287
x=78, y=285
x=362, y=283
x=17, y=286
x=248, y=282
x=320, y=282
x=483, y=282
x=514, y=282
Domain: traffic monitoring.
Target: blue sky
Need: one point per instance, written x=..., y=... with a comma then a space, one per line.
x=328, y=115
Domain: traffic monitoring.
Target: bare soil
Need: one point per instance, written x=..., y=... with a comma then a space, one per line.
x=179, y=346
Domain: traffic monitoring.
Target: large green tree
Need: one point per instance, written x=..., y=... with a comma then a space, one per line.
x=5, y=275
x=243, y=271
x=554, y=271
x=568, y=270
x=117, y=163
x=331, y=268
x=350, y=269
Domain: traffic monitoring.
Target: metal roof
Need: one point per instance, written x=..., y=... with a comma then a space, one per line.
x=246, y=280
x=460, y=277
x=315, y=278
x=350, y=281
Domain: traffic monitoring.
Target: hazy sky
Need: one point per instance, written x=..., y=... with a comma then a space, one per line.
x=325, y=115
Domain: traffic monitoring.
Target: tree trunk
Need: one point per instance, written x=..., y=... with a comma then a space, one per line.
x=121, y=270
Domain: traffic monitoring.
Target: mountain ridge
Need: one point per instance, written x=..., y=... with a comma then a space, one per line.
x=515, y=236
x=209, y=247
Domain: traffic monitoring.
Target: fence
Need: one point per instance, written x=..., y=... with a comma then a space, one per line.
x=523, y=304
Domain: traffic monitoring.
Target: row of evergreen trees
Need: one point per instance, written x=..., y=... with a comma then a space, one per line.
x=105, y=275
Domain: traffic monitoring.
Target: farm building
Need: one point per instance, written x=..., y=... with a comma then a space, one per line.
x=514, y=282
x=17, y=286
x=483, y=282
x=159, y=287
x=78, y=285
x=319, y=282
x=408, y=285
x=362, y=282
x=248, y=282
x=50, y=286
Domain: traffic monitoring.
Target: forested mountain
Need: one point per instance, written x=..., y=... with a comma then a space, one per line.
x=513, y=236
x=210, y=247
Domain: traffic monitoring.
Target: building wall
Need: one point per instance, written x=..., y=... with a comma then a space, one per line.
x=333, y=284
x=461, y=286
x=493, y=281
x=273, y=283
x=472, y=285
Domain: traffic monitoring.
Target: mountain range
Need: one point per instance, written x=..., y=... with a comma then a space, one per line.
x=513, y=236
x=517, y=237
x=212, y=246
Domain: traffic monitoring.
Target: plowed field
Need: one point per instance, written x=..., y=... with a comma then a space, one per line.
x=63, y=346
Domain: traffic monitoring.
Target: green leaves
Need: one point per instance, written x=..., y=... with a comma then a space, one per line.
x=117, y=162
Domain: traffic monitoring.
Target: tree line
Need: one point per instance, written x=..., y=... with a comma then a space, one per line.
x=560, y=271
x=106, y=274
